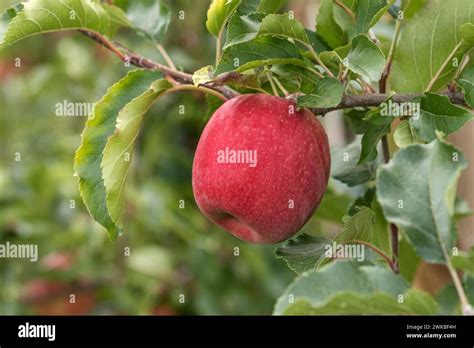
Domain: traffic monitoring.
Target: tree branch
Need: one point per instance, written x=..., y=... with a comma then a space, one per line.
x=348, y=101
x=371, y=100
x=142, y=62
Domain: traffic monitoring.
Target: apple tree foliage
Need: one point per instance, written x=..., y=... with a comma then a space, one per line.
x=402, y=207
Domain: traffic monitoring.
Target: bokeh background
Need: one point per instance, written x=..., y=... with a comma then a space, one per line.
x=170, y=261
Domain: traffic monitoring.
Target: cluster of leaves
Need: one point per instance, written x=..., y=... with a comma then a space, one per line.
x=416, y=190
x=274, y=53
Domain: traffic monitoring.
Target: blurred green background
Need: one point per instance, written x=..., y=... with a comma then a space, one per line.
x=170, y=260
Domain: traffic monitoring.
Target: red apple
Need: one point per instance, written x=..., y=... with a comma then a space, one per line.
x=261, y=167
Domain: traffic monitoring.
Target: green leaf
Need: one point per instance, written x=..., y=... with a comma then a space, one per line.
x=248, y=6
x=283, y=25
x=303, y=252
x=408, y=260
x=345, y=21
x=42, y=16
x=437, y=113
x=404, y=135
x=243, y=28
x=151, y=18
x=378, y=126
x=359, y=226
x=348, y=303
x=219, y=13
x=325, y=94
x=466, y=82
x=365, y=58
x=264, y=6
x=448, y=300
x=380, y=235
x=464, y=261
x=300, y=77
x=265, y=50
x=331, y=59
x=246, y=28
x=99, y=127
x=317, y=42
x=410, y=7
x=362, y=201
x=421, y=200
x=368, y=13
x=117, y=16
x=355, y=118
x=425, y=44
x=467, y=34
x=118, y=151
x=7, y=16
x=344, y=165
x=270, y=6
x=327, y=27
x=343, y=288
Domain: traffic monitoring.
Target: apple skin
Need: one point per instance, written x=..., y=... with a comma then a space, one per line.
x=271, y=201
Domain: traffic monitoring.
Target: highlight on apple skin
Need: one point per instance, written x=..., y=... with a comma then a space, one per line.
x=261, y=167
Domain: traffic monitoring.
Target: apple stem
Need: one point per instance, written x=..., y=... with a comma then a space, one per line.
x=318, y=60
x=283, y=89
x=272, y=82
x=196, y=88
x=165, y=56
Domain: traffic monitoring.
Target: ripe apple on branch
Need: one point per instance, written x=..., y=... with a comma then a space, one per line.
x=271, y=78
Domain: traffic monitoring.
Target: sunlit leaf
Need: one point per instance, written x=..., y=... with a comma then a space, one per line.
x=426, y=42
x=42, y=16
x=118, y=151
x=219, y=13
x=99, y=127
x=151, y=18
